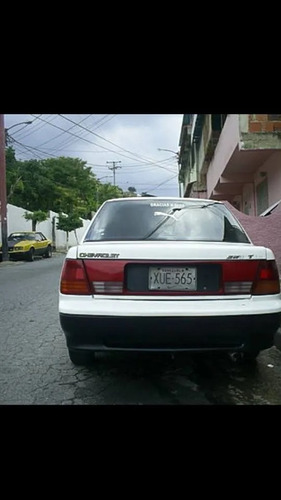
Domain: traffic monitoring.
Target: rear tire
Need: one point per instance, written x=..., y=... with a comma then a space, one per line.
x=30, y=256
x=81, y=357
x=245, y=358
x=48, y=253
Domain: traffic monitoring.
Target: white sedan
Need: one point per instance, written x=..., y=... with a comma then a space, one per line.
x=168, y=274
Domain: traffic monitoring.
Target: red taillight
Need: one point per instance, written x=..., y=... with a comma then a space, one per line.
x=238, y=276
x=74, y=279
x=267, y=279
x=106, y=276
x=251, y=277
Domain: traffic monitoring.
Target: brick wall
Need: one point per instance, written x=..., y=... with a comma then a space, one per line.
x=264, y=231
x=264, y=123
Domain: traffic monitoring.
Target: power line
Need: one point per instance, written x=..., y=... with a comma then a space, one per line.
x=136, y=156
x=35, y=127
x=164, y=182
x=64, y=132
x=139, y=166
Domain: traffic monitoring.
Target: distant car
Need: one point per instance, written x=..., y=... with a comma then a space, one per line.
x=168, y=274
x=25, y=245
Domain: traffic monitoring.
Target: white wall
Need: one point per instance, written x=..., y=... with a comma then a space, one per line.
x=17, y=222
x=229, y=140
x=272, y=167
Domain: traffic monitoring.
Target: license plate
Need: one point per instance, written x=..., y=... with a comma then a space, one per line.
x=172, y=278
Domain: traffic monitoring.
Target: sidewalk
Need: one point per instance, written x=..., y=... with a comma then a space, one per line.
x=17, y=262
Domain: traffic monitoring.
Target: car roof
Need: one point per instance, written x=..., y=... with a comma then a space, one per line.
x=152, y=199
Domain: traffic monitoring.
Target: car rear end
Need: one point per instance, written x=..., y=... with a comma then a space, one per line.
x=163, y=293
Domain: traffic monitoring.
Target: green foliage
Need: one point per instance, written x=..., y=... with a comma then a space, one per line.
x=131, y=191
x=13, y=176
x=59, y=184
x=10, y=157
x=74, y=184
x=69, y=222
x=36, y=217
x=106, y=192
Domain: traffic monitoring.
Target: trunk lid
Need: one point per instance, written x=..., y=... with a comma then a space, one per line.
x=171, y=268
x=170, y=250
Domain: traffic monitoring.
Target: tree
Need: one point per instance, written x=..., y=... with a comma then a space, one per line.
x=36, y=217
x=59, y=184
x=106, y=192
x=29, y=185
x=13, y=175
x=69, y=223
x=75, y=185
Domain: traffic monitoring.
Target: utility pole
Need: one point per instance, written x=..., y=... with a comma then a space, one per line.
x=3, y=192
x=3, y=186
x=113, y=168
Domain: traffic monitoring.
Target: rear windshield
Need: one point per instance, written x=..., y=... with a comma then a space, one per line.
x=165, y=220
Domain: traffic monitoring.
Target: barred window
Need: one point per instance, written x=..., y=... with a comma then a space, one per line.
x=273, y=118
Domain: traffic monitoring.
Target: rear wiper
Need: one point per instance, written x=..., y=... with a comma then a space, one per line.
x=166, y=216
x=210, y=204
x=171, y=212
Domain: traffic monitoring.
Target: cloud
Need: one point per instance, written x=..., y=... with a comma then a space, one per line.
x=130, y=140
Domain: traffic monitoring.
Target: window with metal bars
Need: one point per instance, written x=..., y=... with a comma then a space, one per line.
x=273, y=118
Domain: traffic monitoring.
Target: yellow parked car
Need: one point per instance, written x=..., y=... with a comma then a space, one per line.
x=25, y=245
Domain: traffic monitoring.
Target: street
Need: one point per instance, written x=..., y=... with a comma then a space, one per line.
x=35, y=368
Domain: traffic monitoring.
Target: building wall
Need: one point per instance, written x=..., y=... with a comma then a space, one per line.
x=271, y=170
x=264, y=123
x=244, y=121
x=229, y=140
x=248, y=199
x=264, y=231
x=204, y=142
x=250, y=132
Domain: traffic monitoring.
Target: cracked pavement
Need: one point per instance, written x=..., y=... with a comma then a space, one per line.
x=35, y=368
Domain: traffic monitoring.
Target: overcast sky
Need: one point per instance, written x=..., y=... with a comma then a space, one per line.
x=129, y=142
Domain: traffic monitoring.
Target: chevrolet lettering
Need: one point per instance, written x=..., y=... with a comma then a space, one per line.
x=83, y=255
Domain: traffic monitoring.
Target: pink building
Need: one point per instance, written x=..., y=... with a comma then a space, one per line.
x=265, y=231
x=232, y=157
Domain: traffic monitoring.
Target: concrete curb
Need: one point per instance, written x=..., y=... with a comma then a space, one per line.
x=17, y=262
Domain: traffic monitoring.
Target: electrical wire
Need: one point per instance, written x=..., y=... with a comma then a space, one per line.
x=116, y=145
x=147, y=161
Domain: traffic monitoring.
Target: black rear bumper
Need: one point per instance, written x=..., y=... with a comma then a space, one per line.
x=237, y=333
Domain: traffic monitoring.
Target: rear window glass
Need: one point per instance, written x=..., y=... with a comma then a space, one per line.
x=165, y=220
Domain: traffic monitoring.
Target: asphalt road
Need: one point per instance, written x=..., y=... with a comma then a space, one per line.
x=35, y=368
